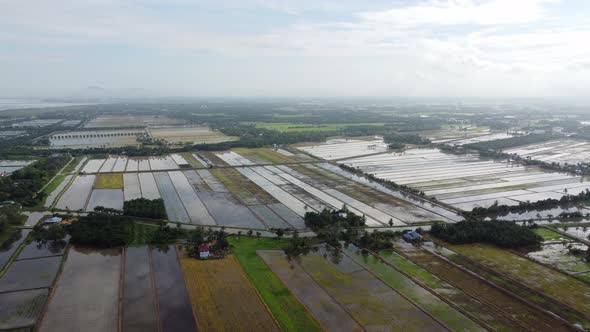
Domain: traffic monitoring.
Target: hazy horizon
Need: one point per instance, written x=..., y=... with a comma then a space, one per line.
x=299, y=49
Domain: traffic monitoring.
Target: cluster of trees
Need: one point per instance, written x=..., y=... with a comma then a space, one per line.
x=22, y=185
x=335, y=226
x=406, y=138
x=396, y=146
x=145, y=208
x=101, y=230
x=376, y=240
x=506, y=143
x=575, y=214
x=216, y=238
x=549, y=203
x=9, y=215
x=166, y=235
x=501, y=233
x=298, y=246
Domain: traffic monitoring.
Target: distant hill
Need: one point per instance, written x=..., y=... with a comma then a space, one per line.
x=94, y=92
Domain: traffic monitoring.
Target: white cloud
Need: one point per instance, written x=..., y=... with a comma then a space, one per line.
x=465, y=46
x=456, y=12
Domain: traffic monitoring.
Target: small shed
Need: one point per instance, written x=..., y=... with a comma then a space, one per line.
x=204, y=251
x=412, y=236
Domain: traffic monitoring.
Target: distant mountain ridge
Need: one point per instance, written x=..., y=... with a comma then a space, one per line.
x=94, y=92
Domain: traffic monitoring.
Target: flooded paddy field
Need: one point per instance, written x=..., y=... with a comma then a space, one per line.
x=108, y=198
x=326, y=310
x=421, y=210
x=174, y=207
x=466, y=181
x=228, y=212
x=30, y=274
x=469, y=305
x=120, y=164
x=344, y=148
x=130, y=121
x=242, y=188
x=268, y=196
x=108, y=165
x=162, y=163
x=334, y=198
x=406, y=286
x=478, y=139
x=234, y=159
x=50, y=200
x=96, y=308
x=270, y=218
x=548, y=213
x=369, y=300
x=194, y=135
x=19, y=311
x=450, y=133
x=581, y=232
x=194, y=160
x=222, y=297
x=9, y=247
x=9, y=166
x=561, y=151
x=33, y=217
x=195, y=208
x=495, y=307
x=93, y=165
x=132, y=165
x=175, y=310
x=180, y=160
x=38, y=249
x=149, y=188
x=139, y=308
x=95, y=138
x=131, y=185
x=562, y=256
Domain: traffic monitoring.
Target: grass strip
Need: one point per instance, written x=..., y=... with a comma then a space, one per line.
x=548, y=235
x=287, y=310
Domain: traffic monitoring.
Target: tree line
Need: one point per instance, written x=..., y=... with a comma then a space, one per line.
x=22, y=185
x=145, y=208
x=501, y=233
x=549, y=203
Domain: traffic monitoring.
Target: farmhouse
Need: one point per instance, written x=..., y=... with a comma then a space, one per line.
x=204, y=251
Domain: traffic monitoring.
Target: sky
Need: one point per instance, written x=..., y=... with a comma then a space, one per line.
x=265, y=48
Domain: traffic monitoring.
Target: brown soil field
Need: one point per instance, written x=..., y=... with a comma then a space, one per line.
x=557, y=292
x=329, y=313
x=371, y=302
x=223, y=298
x=497, y=308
